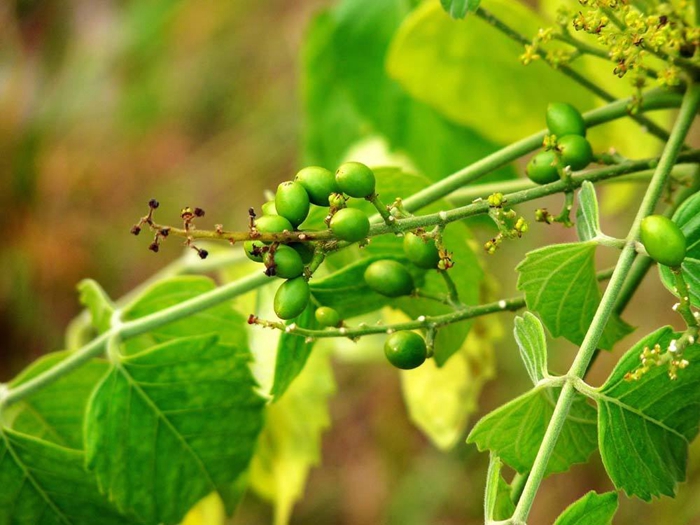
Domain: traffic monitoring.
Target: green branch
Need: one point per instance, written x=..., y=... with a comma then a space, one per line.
x=689, y=108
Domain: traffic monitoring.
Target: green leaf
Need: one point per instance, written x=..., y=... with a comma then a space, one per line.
x=476, y=64
x=529, y=334
x=459, y=8
x=171, y=424
x=515, y=431
x=497, y=502
x=587, y=216
x=45, y=484
x=560, y=285
x=687, y=217
x=56, y=412
x=646, y=425
x=348, y=95
x=591, y=509
x=290, y=443
x=292, y=353
x=222, y=319
x=98, y=303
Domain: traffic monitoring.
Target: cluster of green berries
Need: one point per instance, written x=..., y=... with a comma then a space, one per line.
x=315, y=186
x=566, y=145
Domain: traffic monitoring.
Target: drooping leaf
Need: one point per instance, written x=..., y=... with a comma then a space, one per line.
x=222, y=319
x=98, y=303
x=515, y=431
x=687, y=217
x=290, y=443
x=587, y=215
x=529, y=334
x=459, y=8
x=440, y=400
x=591, y=509
x=497, y=502
x=56, y=412
x=560, y=285
x=646, y=425
x=171, y=424
x=46, y=484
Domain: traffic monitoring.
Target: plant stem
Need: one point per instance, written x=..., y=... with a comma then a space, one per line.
x=689, y=108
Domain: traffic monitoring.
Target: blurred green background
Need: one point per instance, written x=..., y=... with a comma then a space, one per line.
x=106, y=104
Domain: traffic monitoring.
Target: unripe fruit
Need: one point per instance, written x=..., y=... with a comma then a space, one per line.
x=389, y=278
x=291, y=298
x=319, y=183
x=292, y=202
x=576, y=151
x=564, y=119
x=287, y=262
x=350, y=224
x=422, y=253
x=355, y=179
x=663, y=240
x=304, y=249
x=327, y=316
x=272, y=224
x=269, y=208
x=541, y=168
x=251, y=248
x=405, y=350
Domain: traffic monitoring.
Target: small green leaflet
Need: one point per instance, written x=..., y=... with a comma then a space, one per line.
x=98, y=303
x=645, y=426
x=45, y=484
x=171, y=424
x=591, y=509
x=687, y=217
x=497, y=502
x=515, y=431
x=587, y=216
x=459, y=8
x=560, y=285
x=56, y=412
x=529, y=334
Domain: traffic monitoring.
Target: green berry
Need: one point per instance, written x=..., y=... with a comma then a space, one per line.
x=327, y=316
x=350, y=224
x=576, y=151
x=287, y=262
x=405, y=350
x=355, y=179
x=389, y=278
x=421, y=252
x=542, y=169
x=663, y=239
x=292, y=202
x=269, y=208
x=336, y=200
x=319, y=183
x=272, y=224
x=253, y=250
x=304, y=249
x=564, y=119
x=291, y=298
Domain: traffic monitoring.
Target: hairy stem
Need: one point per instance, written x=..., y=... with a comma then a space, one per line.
x=689, y=108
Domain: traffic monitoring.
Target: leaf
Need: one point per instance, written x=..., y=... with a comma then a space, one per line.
x=290, y=443
x=591, y=509
x=515, y=431
x=98, y=303
x=687, y=217
x=587, y=216
x=440, y=400
x=169, y=425
x=348, y=95
x=476, y=65
x=45, y=484
x=560, y=285
x=222, y=319
x=459, y=8
x=529, y=334
x=56, y=412
x=292, y=353
x=646, y=425
x=209, y=511
x=497, y=502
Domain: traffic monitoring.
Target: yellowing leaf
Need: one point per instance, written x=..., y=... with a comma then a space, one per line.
x=291, y=439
